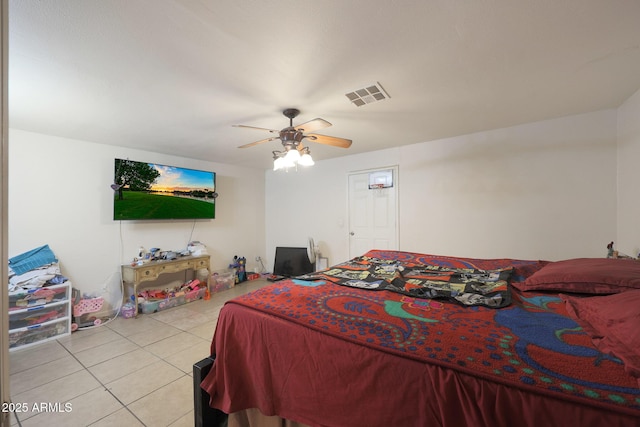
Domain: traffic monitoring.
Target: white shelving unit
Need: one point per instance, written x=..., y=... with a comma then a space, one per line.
x=39, y=315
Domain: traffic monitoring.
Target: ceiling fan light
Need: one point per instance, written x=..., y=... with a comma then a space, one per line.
x=278, y=163
x=306, y=160
x=292, y=156
x=287, y=163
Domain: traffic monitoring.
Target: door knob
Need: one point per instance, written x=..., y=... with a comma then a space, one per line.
x=352, y=233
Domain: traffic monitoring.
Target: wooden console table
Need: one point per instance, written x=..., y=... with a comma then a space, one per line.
x=136, y=274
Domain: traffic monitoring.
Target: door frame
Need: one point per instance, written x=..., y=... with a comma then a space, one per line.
x=5, y=393
x=396, y=183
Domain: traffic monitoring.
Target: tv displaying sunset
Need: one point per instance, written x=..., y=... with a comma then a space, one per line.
x=153, y=191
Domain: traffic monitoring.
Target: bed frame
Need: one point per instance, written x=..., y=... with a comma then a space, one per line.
x=204, y=415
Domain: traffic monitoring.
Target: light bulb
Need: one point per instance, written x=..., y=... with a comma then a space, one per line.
x=293, y=156
x=306, y=160
x=287, y=163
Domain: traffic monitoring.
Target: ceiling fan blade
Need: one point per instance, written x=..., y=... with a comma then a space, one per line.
x=329, y=140
x=251, y=144
x=253, y=127
x=313, y=125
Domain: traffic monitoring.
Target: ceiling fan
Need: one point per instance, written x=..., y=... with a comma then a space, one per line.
x=291, y=137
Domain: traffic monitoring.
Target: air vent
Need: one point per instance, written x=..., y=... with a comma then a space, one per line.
x=367, y=95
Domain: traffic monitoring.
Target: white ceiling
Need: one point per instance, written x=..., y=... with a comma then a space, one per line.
x=174, y=76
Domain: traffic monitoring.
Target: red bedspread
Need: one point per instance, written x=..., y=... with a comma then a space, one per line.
x=325, y=354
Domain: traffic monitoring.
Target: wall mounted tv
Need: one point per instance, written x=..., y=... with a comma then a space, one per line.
x=145, y=191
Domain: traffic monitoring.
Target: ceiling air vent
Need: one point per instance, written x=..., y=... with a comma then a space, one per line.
x=367, y=95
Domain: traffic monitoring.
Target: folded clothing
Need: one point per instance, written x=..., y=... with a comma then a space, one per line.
x=30, y=260
x=37, y=278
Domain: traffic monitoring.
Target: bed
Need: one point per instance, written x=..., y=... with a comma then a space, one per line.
x=406, y=339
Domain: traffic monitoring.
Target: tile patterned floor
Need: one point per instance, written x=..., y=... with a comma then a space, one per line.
x=128, y=372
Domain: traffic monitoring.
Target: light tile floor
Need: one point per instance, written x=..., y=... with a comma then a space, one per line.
x=127, y=372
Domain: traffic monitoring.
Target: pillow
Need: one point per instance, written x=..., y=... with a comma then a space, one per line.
x=613, y=323
x=585, y=275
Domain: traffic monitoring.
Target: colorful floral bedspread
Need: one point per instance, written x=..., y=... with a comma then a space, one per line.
x=531, y=344
x=466, y=285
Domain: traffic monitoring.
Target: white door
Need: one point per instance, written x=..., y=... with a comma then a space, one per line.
x=372, y=213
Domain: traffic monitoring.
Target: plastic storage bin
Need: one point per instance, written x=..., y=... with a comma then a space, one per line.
x=171, y=302
x=23, y=337
x=40, y=296
x=153, y=306
x=39, y=315
x=222, y=280
x=195, y=294
x=147, y=307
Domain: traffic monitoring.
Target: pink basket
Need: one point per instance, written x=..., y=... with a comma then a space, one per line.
x=90, y=305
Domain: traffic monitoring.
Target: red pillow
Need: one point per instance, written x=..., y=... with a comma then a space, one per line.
x=585, y=275
x=613, y=323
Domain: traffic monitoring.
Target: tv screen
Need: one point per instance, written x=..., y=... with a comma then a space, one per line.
x=152, y=191
x=291, y=262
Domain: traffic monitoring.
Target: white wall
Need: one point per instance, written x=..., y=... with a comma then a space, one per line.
x=59, y=195
x=312, y=202
x=543, y=190
x=628, y=235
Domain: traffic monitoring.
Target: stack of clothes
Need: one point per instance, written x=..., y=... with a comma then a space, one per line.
x=34, y=269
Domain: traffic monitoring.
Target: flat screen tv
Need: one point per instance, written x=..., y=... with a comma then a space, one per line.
x=146, y=191
x=291, y=262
